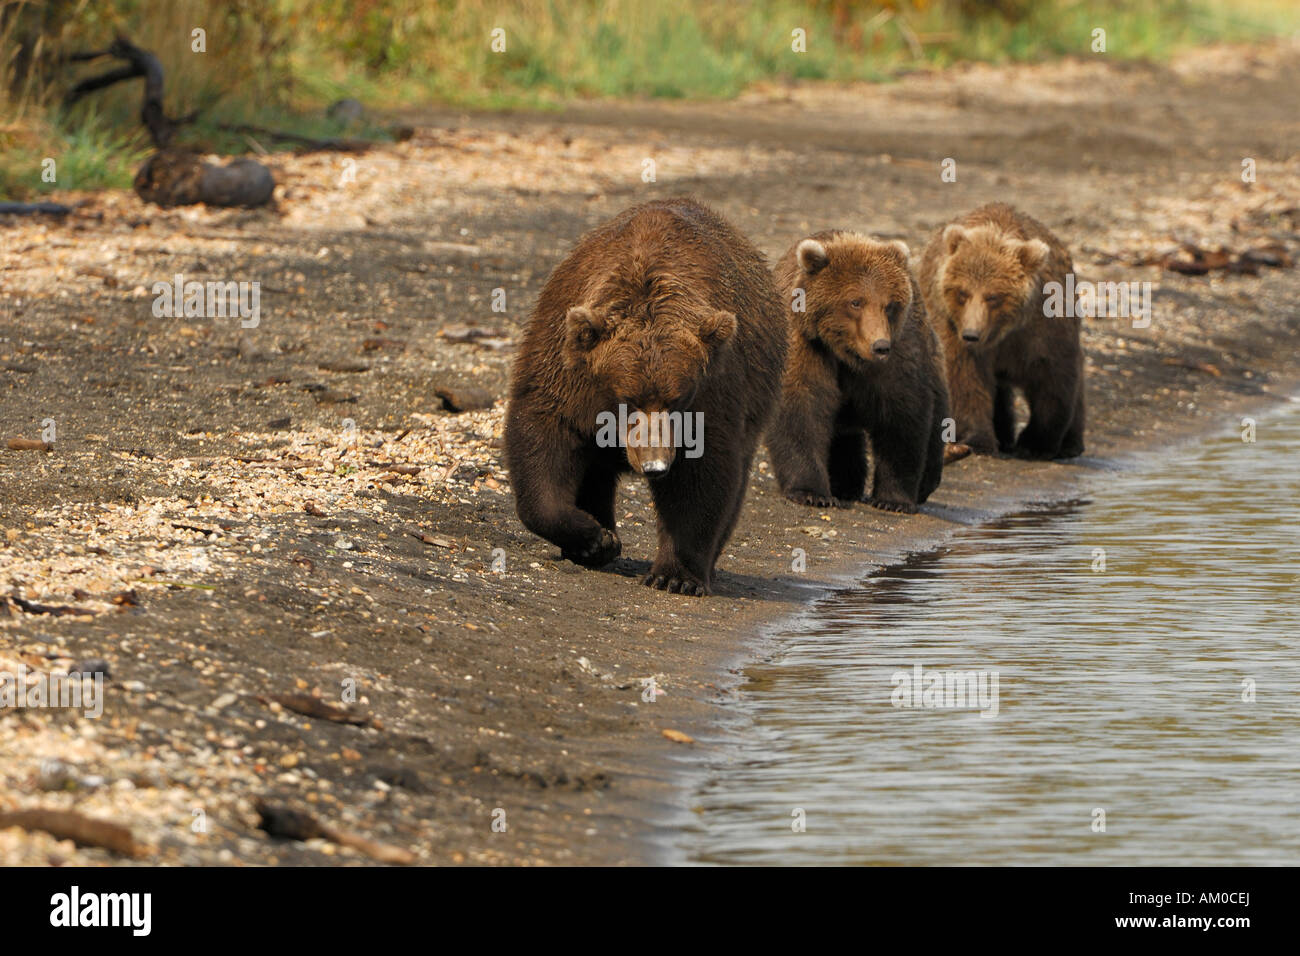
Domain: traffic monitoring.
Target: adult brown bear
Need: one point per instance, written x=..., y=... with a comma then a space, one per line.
x=660, y=323
x=863, y=365
x=983, y=277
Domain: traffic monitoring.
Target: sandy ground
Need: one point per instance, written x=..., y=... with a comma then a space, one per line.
x=233, y=516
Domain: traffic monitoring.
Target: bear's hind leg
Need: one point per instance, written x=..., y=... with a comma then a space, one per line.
x=899, y=454
x=1072, y=444
x=848, y=465
x=1004, y=417
x=1049, y=420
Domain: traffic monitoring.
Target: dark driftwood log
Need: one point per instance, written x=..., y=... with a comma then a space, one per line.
x=174, y=177
x=33, y=209
x=177, y=177
x=139, y=63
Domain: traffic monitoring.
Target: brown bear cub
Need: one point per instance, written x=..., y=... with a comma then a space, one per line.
x=664, y=317
x=863, y=364
x=983, y=277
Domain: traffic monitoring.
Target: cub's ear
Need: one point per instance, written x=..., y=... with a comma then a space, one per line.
x=900, y=247
x=1032, y=254
x=717, y=329
x=582, y=330
x=812, y=256
x=953, y=234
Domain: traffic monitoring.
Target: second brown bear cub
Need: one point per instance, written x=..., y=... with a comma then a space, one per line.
x=863, y=363
x=983, y=276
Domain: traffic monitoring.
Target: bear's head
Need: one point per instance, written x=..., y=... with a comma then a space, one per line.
x=986, y=279
x=856, y=292
x=647, y=360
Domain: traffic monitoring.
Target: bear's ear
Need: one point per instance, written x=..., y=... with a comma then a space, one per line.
x=953, y=234
x=900, y=247
x=812, y=256
x=717, y=329
x=1032, y=254
x=582, y=330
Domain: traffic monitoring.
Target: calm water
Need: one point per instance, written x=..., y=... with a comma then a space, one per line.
x=1119, y=690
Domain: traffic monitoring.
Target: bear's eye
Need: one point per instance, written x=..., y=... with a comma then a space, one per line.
x=857, y=304
x=961, y=295
x=993, y=301
x=893, y=311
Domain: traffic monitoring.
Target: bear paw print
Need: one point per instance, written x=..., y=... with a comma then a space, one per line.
x=602, y=550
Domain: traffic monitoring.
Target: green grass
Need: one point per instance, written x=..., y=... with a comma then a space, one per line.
x=278, y=63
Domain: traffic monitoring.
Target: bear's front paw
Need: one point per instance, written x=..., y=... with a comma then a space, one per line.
x=891, y=504
x=817, y=501
x=602, y=549
x=675, y=581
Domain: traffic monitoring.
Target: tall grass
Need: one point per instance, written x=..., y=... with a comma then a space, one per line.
x=277, y=62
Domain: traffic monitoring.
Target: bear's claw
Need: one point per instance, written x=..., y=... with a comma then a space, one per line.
x=817, y=501
x=675, y=584
x=599, y=552
x=884, y=504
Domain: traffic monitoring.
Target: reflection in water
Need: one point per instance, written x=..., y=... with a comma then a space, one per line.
x=1119, y=689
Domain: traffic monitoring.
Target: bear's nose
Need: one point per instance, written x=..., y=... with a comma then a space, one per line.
x=880, y=347
x=970, y=335
x=654, y=467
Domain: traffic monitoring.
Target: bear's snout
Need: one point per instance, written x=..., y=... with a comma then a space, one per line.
x=880, y=348
x=651, y=461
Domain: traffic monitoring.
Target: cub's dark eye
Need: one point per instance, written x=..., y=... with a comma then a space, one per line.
x=993, y=301
x=961, y=295
x=857, y=303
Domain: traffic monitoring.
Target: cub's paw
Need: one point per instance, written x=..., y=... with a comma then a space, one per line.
x=891, y=504
x=601, y=550
x=675, y=581
x=817, y=501
x=1027, y=453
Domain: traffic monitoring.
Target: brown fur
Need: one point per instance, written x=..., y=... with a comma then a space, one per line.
x=664, y=308
x=982, y=276
x=863, y=364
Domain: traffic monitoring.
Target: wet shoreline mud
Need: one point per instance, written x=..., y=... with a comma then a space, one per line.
x=237, y=522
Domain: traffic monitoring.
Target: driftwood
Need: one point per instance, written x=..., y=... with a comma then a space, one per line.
x=139, y=63
x=174, y=176
x=70, y=825
x=34, y=209
x=180, y=177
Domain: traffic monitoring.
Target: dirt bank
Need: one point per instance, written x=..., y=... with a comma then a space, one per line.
x=236, y=513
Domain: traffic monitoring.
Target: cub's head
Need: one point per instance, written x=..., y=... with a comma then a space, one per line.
x=986, y=279
x=650, y=358
x=856, y=292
